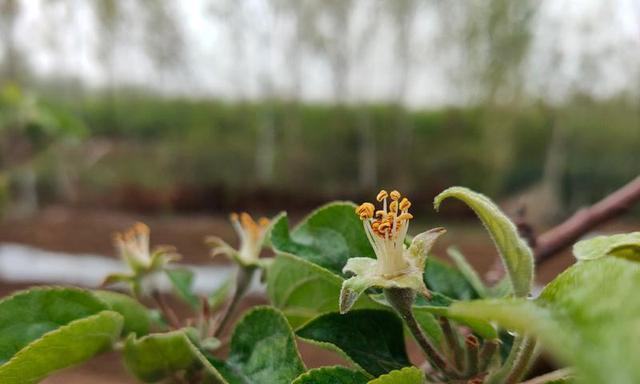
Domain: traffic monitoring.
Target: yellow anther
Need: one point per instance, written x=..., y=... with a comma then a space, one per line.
x=405, y=216
x=263, y=222
x=247, y=220
x=384, y=226
x=395, y=195
x=382, y=195
x=380, y=213
x=393, y=207
x=365, y=210
x=140, y=228
x=405, y=204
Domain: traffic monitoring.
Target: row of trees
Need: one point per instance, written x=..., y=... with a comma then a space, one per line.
x=487, y=47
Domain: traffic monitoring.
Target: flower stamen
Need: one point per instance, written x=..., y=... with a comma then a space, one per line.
x=386, y=229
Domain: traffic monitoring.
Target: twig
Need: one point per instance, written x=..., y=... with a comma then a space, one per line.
x=565, y=234
x=560, y=237
x=166, y=310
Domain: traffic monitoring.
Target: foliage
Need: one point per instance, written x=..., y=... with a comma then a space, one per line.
x=586, y=317
x=159, y=145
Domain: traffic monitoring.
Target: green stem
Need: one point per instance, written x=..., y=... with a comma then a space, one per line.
x=401, y=299
x=499, y=376
x=521, y=364
x=453, y=342
x=168, y=313
x=243, y=280
x=551, y=376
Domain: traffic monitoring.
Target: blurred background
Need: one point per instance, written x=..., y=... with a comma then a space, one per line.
x=177, y=113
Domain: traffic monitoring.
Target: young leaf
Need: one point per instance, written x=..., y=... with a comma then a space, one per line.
x=182, y=280
x=303, y=290
x=448, y=281
x=220, y=294
x=601, y=246
x=515, y=253
x=430, y=326
x=63, y=347
x=327, y=237
x=27, y=315
x=372, y=339
x=263, y=350
x=158, y=356
x=136, y=316
x=407, y=375
x=468, y=271
x=332, y=375
x=587, y=317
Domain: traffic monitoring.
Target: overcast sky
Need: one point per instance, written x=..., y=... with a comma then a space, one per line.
x=597, y=41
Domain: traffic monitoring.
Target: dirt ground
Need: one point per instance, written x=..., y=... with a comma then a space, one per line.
x=81, y=231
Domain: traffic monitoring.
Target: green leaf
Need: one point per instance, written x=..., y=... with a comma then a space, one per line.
x=136, y=316
x=448, y=281
x=327, y=237
x=588, y=317
x=263, y=350
x=439, y=305
x=600, y=246
x=213, y=376
x=372, y=339
x=182, y=280
x=63, y=347
x=332, y=375
x=407, y=375
x=303, y=290
x=430, y=326
x=469, y=273
x=515, y=253
x=158, y=356
x=220, y=294
x=27, y=315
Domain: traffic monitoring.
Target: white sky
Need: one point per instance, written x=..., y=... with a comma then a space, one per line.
x=62, y=39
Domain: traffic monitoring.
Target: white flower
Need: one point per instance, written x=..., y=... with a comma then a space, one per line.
x=134, y=249
x=396, y=265
x=251, y=235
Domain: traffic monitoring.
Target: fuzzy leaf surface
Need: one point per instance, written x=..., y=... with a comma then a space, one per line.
x=328, y=237
x=514, y=251
x=157, y=356
x=625, y=244
x=65, y=346
x=588, y=317
x=137, y=318
x=372, y=339
x=263, y=350
x=27, y=315
x=332, y=375
x=303, y=290
x=407, y=375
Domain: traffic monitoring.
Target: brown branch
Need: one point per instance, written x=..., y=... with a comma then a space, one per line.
x=565, y=234
x=562, y=236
